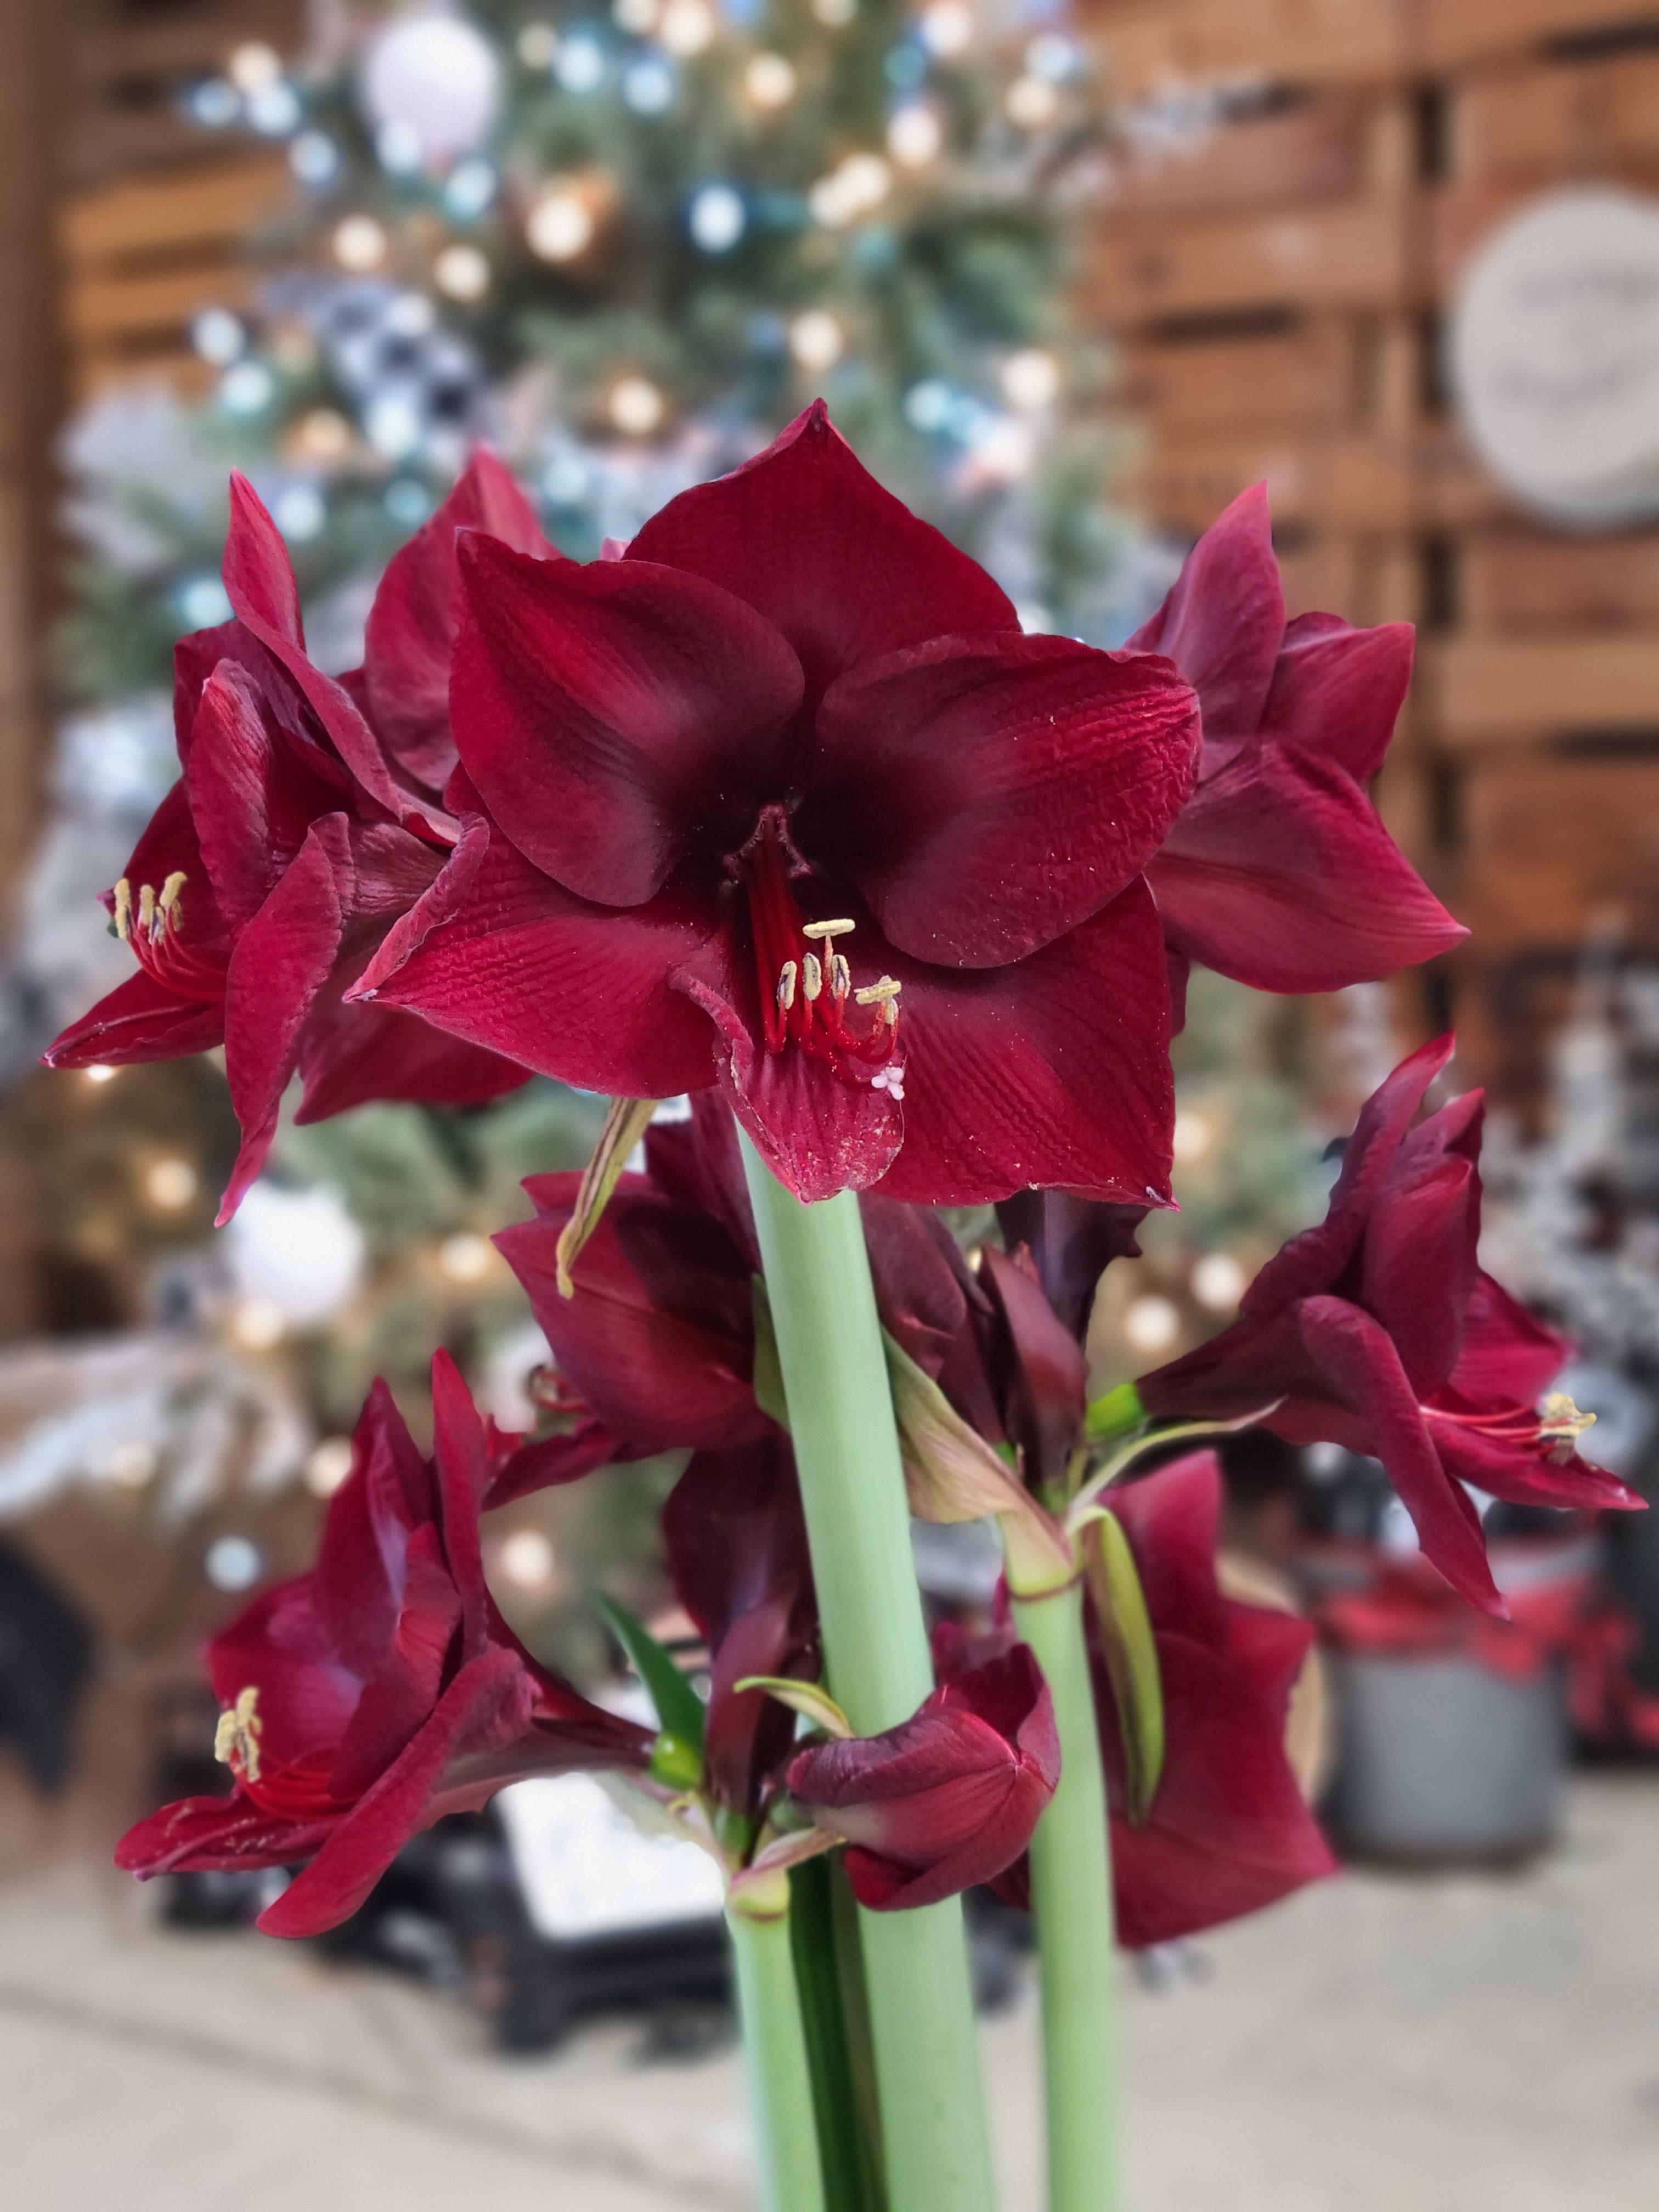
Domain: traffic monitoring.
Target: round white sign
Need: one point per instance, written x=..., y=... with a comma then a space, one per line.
x=1554, y=355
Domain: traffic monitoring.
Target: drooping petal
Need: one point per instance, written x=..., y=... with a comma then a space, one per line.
x=616, y=715
x=1279, y=873
x=987, y=794
x=138, y=1020
x=1521, y=1473
x=282, y=959
x=500, y=954
x=411, y=633
x=807, y=535
x=1223, y=619
x=1054, y=1071
x=1364, y=1369
x=1337, y=691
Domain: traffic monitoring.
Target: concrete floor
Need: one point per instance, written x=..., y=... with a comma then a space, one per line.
x=1445, y=2044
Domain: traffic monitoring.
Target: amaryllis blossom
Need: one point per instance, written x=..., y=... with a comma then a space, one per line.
x=1277, y=871
x=1229, y=1830
x=655, y=1349
x=363, y=1700
x=1379, y=1330
x=948, y=1798
x=266, y=877
x=783, y=800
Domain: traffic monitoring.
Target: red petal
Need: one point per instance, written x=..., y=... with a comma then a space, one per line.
x=616, y=715
x=1337, y=691
x=138, y=1020
x=1506, y=1353
x=987, y=794
x=1053, y=1072
x=1046, y=1386
x=1222, y=624
x=806, y=535
x=498, y=953
x=549, y=1462
x=349, y=1055
x=208, y=1835
x=1279, y=874
x=410, y=633
x=1417, y=1267
x=1172, y=1518
x=735, y=1533
x=1365, y=1368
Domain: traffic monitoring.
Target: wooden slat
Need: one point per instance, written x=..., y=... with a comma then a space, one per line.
x=1302, y=378
x=1549, y=841
x=105, y=308
x=1353, y=255
x=1533, y=581
x=1491, y=691
x=1215, y=41
x=1452, y=34
x=1356, y=484
x=212, y=205
x=1314, y=150
x=1559, y=120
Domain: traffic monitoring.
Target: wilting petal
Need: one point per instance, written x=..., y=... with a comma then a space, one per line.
x=1054, y=1071
x=1364, y=1369
x=987, y=794
x=947, y=1798
x=1222, y=623
x=1337, y=691
x=616, y=714
x=1280, y=874
x=1073, y=1240
x=498, y=953
x=410, y=633
x=806, y=535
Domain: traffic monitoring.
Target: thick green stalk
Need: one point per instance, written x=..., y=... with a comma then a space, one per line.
x=1072, y=1897
x=851, y=1480
x=786, y=2129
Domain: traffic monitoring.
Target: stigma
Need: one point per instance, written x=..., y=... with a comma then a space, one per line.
x=236, y=1739
x=1560, y=1424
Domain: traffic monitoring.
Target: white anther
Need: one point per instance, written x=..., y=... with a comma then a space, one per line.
x=123, y=909
x=841, y=977
x=167, y=904
x=883, y=991
x=787, y=985
x=821, y=929
x=811, y=975
x=146, y=908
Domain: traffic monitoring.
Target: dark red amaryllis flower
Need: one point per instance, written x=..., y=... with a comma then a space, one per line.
x=1277, y=871
x=267, y=876
x=365, y=1699
x=946, y=1799
x=655, y=1350
x=1379, y=1330
x=783, y=799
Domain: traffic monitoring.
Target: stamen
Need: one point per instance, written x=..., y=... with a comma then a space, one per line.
x=827, y=929
x=146, y=909
x=786, y=976
x=168, y=903
x=811, y=976
x=841, y=976
x=123, y=910
x=884, y=991
x=236, y=1739
x=1561, y=1423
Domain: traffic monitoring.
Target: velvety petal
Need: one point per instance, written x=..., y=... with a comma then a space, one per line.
x=1044, y=1381
x=1223, y=621
x=358, y=1577
x=748, y=1733
x=212, y=1835
x=818, y=1133
x=1506, y=1352
x=498, y=953
x=400, y=1697
x=1417, y=1267
x=1337, y=691
x=658, y=1341
x=736, y=1535
x=1279, y=873
x=282, y=958
x=279, y=1646
x=1052, y=1073
x=549, y=1462
x=138, y=1020
x=463, y=1477
x=617, y=715
x=987, y=794
x=806, y=535
x=350, y=1055
x=1315, y=1260
x=411, y=633
x=487, y=1702
x=1523, y=1475
x=924, y=1290
x=1073, y=1240
x=1172, y=1519
x=1365, y=1368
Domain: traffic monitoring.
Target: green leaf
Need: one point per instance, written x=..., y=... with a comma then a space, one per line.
x=1126, y=1625
x=679, y=1709
x=624, y=1125
x=810, y=1698
x=768, y=1383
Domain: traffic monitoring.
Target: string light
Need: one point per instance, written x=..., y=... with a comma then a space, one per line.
x=359, y=244
x=561, y=224
x=257, y=1324
x=392, y=426
x=538, y=45
x=770, y=80
x=1032, y=102
x=717, y=218
x=637, y=17
x=858, y=186
x=648, y=85
x=1218, y=1282
x=1051, y=55
x=461, y=272
x=232, y=1563
x=817, y=339
x=219, y=336
x=1030, y=379
x=527, y=1559
x=274, y=110
x=299, y=512
x=834, y=14
x=687, y=26
x=1152, y=1324
x=99, y=1073
x=324, y=434
x=1193, y=1134
x=947, y=28
x=328, y=1466
x=465, y=1256
x=469, y=188
x=130, y=1465
x=247, y=388
x=635, y=406
x=581, y=65
x=915, y=133
x=254, y=66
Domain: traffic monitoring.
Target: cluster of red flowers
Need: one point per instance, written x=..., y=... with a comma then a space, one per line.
x=777, y=807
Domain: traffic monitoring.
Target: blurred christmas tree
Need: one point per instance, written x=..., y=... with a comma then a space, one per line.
x=627, y=246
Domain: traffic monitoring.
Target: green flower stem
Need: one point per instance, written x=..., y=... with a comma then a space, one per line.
x=1072, y=1897
x=786, y=2128
x=841, y=1411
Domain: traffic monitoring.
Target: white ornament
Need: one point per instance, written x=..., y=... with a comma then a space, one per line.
x=434, y=76
x=1554, y=355
x=297, y=1252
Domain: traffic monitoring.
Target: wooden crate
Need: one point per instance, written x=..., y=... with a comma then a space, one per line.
x=1352, y=255
x=1571, y=117
x=1497, y=691
x=1240, y=41
x=1531, y=580
x=1310, y=148
x=1305, y=375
